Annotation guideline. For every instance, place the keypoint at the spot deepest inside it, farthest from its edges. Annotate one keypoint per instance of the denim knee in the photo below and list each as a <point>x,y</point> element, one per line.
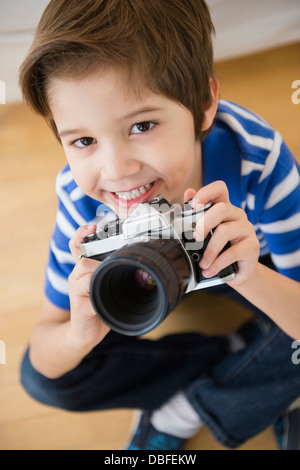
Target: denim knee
<point>50,392</point>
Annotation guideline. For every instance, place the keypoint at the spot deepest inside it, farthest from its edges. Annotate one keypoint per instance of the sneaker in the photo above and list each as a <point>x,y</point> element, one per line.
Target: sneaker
<point>287,428</point>
<point>146,437</point>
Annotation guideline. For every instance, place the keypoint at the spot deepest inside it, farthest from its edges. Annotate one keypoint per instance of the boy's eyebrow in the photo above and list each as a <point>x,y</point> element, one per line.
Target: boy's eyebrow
<point>66,132</point>
<point>148,109</point>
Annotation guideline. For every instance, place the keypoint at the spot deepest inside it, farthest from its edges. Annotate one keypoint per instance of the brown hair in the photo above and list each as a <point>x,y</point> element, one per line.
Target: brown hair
<point>165,44</point>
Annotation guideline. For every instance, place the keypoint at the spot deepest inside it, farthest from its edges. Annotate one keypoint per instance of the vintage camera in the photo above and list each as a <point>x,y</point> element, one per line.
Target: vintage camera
<point>149,262</point>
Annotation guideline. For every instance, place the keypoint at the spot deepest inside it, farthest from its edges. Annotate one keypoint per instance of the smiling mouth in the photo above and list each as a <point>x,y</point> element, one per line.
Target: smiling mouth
<point>134,193</point>
<point>130,199</point>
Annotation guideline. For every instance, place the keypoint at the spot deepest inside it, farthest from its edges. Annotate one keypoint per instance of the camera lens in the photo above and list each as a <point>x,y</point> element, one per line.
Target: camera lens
<point>144,279</point>
<point>137,286</point>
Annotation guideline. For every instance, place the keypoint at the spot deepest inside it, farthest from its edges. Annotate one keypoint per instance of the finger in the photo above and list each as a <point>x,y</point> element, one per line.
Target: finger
<point>240,253</point>
<point>85,266</point>
<point>82,286</point>
<point>224,260</point>
<point>216,215</point>
<point>78,238</point>
<point>80,281</point>
<point>223,234</point>
<point>215,192</point>
<point>189,194</point>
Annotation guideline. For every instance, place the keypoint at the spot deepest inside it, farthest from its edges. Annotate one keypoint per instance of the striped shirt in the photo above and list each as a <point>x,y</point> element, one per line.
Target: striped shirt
<point>243,150</point>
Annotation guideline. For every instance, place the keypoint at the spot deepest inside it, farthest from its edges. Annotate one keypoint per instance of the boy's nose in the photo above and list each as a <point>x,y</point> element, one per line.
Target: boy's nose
<point>118,169</point>
<point>119,164</point>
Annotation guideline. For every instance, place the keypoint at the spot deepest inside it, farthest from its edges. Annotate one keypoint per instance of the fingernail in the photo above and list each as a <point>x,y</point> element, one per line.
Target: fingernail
<point>204,264</point>
<point>197,237</point>
<point>206,273</point>
<point>194,202</point>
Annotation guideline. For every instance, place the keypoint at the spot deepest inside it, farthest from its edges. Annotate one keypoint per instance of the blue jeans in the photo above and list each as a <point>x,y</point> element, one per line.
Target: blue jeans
<point>236,394</point>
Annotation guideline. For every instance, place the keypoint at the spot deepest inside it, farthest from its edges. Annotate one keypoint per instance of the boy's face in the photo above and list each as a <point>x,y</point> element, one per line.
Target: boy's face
<point>122,148</point>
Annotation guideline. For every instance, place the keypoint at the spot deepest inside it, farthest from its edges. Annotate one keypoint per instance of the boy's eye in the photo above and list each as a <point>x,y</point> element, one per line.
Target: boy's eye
<point>140,127</point>
<point>84,142</point>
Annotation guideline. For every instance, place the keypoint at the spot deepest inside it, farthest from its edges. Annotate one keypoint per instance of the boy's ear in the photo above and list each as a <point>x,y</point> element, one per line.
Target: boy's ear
<point>210,112</point>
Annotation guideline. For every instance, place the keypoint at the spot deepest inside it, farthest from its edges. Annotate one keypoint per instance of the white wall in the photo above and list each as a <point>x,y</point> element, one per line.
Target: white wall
<point>242,27</point>
<point>248,26</point>
<point>18,19</point>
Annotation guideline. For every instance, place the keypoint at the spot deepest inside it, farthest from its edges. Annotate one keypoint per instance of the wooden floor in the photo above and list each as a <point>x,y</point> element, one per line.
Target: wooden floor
<point>30,158</point>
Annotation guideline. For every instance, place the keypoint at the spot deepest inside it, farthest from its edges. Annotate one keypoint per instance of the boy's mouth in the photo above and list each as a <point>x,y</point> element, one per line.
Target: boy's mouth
<point>134,193</point>
<point>137,195</point>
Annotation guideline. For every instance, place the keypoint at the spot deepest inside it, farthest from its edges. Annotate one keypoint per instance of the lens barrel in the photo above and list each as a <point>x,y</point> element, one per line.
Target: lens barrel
<point>119,299</point>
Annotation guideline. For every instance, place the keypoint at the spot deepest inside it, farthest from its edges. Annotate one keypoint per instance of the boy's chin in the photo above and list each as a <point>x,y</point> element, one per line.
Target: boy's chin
<point>122,212</point>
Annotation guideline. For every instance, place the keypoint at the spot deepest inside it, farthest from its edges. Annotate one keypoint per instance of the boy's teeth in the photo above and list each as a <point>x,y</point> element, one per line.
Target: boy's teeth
<point>135,193</point>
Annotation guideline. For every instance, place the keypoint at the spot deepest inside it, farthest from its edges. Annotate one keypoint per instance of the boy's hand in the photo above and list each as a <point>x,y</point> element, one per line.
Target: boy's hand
<point>231,224</point>
<point>85,323</point>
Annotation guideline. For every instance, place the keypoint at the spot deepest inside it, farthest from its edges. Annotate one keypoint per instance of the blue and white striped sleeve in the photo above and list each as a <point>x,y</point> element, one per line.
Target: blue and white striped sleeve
<point>60,261</point>
<point>263,178</point>
<point>277,206</point>
<point>74,209</point>
<point>60,266</point>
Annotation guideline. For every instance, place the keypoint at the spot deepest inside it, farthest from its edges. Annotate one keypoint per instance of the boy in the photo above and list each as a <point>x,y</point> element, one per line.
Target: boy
<point>129,89</point>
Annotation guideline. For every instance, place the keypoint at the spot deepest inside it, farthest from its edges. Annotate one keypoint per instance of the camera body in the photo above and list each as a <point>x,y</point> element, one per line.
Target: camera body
<point>149,261</point>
